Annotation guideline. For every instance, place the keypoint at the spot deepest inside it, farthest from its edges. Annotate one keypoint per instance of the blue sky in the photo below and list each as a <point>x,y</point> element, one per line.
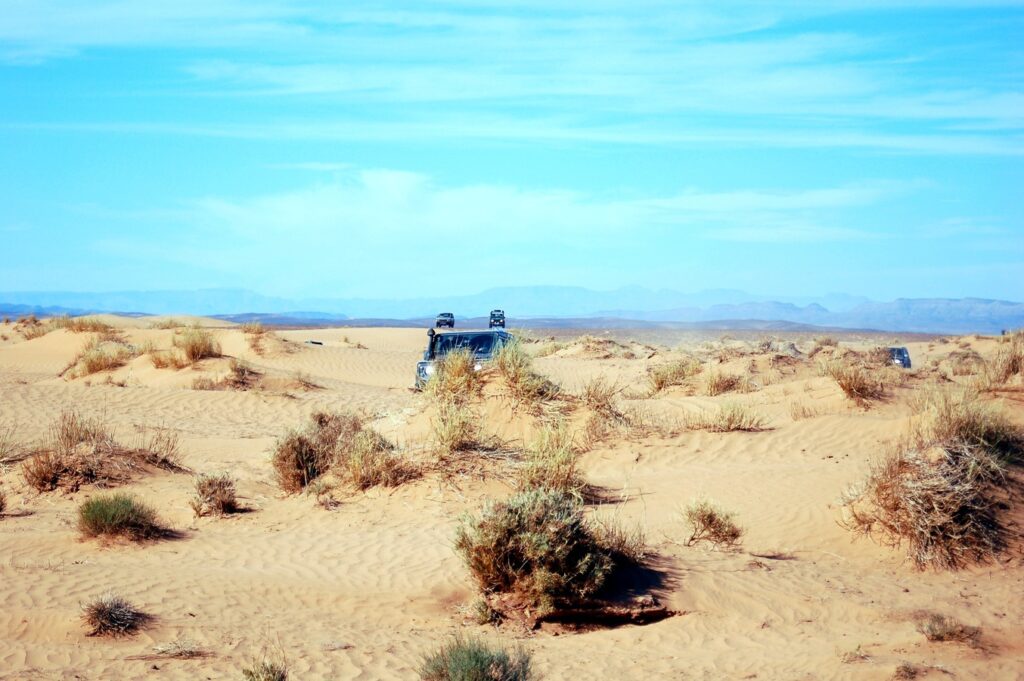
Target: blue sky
<point>398,149</point>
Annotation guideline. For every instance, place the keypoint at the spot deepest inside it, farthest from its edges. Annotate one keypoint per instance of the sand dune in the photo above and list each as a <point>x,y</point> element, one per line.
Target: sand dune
<point>365,590</point>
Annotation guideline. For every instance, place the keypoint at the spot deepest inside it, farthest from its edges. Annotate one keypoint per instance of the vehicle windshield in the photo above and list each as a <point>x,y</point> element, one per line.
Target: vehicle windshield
<point>480,344</point>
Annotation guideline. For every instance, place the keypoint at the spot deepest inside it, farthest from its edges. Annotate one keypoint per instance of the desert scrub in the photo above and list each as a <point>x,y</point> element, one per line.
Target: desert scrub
<point>552,462</point>
<point>712,524</point>
<point>469,659</point>
<point>673,373</point>
<point>959,416</point>
<point>538,546</point>
<point>717,382</point>
<point>944,629</point>
<point>81,450</point>
<point>112,615</point>
<point>196,344</point>
<point>728,418</point>
<point>456,428</point>
<point>1008,361</point>
<point>99,355</point>
<point>524,384</point>
<point>297,461</point>
<point>215,494</point>
<point>118,515</point>
<point>858,382</point>
<point>80,324</point>
<point>455,378</point>
<point>373,461</point>
<point>265,670</point>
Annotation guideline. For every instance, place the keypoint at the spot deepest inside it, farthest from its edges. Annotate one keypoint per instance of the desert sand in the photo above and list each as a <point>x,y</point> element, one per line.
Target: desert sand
<point>364,590</point>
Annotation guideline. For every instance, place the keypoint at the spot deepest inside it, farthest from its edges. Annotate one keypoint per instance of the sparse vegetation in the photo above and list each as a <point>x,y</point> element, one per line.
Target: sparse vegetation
<point>538,546</point>
<point>728,418</point>
<point>168,358</point>
<point>524,384</point>
<point>99,355</point>
<point>551,462</point>
<point>372,460</point>
<point>717,382</point>
<point>81,450</point>
<point>197,344</point>
<point>799,411</point>
<point>118,515</point>
<point>944,629</point>
<point>81,324</point>
<point>857,382</point>
<point>711,524</point>
<point>265,670</point>
<point>297,461</point>
<point>1008,361</point>
<point>179,649</point>
<point>673,373</point>
<point>455,378</point>
<point>215,494</point>
<point>463,659</point>
<point>112,615</point>
<point>456,427</point>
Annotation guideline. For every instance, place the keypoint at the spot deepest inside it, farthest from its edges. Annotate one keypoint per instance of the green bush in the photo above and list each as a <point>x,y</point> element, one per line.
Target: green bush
<point>118,515</point>
<point>473,660</point>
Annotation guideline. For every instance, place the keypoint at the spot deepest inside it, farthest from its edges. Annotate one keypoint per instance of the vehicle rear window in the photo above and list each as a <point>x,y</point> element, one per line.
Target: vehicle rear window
<point>479,344</point>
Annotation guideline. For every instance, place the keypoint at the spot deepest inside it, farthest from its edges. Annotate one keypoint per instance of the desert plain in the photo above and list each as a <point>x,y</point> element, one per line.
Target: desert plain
<point>340,582</point>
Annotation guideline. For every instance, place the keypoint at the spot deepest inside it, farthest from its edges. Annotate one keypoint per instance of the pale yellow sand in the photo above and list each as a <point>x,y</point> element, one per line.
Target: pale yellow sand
<point>365,590</point>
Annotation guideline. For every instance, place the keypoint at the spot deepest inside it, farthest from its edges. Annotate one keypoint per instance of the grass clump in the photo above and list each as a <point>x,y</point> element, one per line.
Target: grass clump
<point>711,524</point>
<point>673,373</point>
<point>729,417</point>
<point>81,450</point>
<point>112,615</point>
<point>215,494</point>
<point>858,382</point>
<point>99,355</point>
<point>463,659</point>
<point>372,460</point>
<point>298,461</point>
<point>456,428</point>
<point>81,324</point>
<point>525,385</point>
<point>537,546</point>
<point>944,629</point>
<point>1008,361</point>
<point>717,382</point>
<point>960,417</point>
<point>455,378</point>
<point>118,515</point>
<point>265,670</point>
<point>552,462</point>
<point>197,344</point>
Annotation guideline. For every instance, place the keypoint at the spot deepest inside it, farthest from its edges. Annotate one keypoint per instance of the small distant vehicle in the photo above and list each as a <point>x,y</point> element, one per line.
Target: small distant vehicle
<point>497,319</point>
<point>482,344</point>
<point>900,357</point>
<point>445,319</point>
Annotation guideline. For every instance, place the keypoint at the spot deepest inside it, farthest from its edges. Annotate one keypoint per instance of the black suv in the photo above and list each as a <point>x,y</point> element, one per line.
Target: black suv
<point>900,357</point>
<point>445,319</point>
<point>497,319</point>
<point>483,345</point>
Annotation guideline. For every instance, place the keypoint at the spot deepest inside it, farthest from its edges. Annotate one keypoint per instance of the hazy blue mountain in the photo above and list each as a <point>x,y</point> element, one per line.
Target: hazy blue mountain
<point>552,302</point>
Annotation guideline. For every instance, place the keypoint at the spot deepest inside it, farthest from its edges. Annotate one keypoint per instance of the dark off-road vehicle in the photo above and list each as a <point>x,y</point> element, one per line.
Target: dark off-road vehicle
<point>445,319</point>
<point>900,357</point>
<point>497,319</point>
<point>482,344</point>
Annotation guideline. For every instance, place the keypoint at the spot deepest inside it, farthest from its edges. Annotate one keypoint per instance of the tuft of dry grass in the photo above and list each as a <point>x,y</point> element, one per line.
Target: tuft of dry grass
<point>80,450</point>
<point>959,417</point>
<point>673,373</point>
<point>112,615</point>
<point>118,515</point>
<point>265,670</point>
<point>99,355</point>
<point>717,383</point>
<point>215,494</point>
<point>944,629</point>
<point>455,378</point>
<point>711,524</point>
<point>524,384</point>
<point>242,376</point>
<point>799,411</point>
<point>163,359</point>
<point>297,461</point>
<point>1008,361</point>
<point>857,382</point>
<point>169,323</point>
<point>730,417</point>
<point>372,460</point>
<point>179,649</point>
<point>11,450</point>
<point>197,344</point>
<point>455,427</point>
<point>81,324</point>
<point>3,502</point>
<point>552,462</point>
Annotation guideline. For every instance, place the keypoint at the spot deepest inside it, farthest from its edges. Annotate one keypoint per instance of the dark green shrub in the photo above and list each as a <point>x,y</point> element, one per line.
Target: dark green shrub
<point>118,515</point>
<point>473,660</point>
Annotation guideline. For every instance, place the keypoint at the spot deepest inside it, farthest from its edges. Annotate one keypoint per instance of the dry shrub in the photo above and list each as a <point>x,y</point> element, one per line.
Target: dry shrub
<point>965,363</point>
<point>857,382</point>
<point>179,649</point>
<point>10,449</point>
<point>242,376</point>
<point>169,323</point>
<point>456,427</point>
<point>552,462</point>
<point>455,378</point>
<point>338,440</point>
<point>943,629</point>
<point>535,545</point>
<point>729,417</point>
<point>673,373</point>
<point>959,417</point>
<point>799,411</point>
<point>550,349</point>
<point>81,324</point>
<point>205,383</point>
<point>717,382</point>
<point>470,659</point>
<point>610,532</point>
<point>118,515</point>
<point>826,342</point>
<point>711,524</point>
<point>599,395</point>
<point>112,615</point>
<point>942,502</point>
<point>3,502</point>
<point>82,450</point>
<point>254,328</point>
<point>373,461</point>
<point>197,344</point>
<point>215,494</point>
<point>906,671</point>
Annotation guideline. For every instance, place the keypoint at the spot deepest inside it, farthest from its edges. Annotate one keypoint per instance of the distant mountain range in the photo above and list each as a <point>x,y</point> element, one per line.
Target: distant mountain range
<point>650,307</point>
